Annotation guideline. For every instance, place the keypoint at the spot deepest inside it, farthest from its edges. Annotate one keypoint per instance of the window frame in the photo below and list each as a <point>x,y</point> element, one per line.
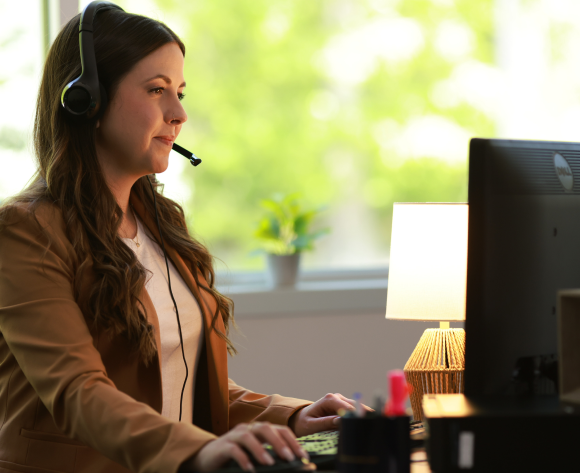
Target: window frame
<point>331,291</point>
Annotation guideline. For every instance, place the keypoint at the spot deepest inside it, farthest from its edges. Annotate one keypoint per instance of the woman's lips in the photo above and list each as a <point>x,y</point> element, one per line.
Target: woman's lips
<point>166,140</point>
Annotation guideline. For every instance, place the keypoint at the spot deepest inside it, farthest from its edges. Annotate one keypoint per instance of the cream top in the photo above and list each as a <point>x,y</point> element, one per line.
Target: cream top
<point>151,257</point>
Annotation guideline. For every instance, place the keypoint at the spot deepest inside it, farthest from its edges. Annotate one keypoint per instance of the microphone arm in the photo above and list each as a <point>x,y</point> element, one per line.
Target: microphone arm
<point>193,159</point>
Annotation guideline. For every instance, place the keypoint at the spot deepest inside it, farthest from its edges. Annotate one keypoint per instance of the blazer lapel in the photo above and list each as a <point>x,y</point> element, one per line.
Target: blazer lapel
<point>216,349</point>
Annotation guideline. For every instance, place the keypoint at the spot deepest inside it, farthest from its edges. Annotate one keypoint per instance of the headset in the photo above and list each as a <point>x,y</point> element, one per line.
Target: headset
<point>85,98</point>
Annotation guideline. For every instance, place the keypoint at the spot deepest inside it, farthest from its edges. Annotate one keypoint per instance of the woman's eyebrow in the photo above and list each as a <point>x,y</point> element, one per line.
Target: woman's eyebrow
<point>165,78</point>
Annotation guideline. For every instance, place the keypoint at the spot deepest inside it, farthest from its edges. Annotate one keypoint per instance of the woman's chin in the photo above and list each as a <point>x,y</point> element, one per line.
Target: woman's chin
<point>160,166</point>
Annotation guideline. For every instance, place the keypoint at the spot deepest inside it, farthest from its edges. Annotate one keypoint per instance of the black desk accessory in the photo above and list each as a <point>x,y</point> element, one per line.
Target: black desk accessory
<point>501,434</point>
<point>374,444</point>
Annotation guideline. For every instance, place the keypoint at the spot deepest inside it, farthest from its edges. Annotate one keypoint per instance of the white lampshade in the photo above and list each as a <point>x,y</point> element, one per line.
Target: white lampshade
<point>428,264</point>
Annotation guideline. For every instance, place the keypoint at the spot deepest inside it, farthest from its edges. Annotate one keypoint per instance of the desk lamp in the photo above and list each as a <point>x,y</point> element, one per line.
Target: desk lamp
<point>427,281</point>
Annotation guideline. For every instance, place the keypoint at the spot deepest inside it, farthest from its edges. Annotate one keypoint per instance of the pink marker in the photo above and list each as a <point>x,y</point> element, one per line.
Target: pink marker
<point>399,390</point>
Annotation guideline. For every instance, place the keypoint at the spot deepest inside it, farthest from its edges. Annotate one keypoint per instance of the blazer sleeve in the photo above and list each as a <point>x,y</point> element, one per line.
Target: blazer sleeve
<point>46,332</point>
<point>248,406</point>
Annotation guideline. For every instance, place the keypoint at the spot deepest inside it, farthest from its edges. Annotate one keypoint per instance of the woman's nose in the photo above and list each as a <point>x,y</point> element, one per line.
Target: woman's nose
<point>178,115</point>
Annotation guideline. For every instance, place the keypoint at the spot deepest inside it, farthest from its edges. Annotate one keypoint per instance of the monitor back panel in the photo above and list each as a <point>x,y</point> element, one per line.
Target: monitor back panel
<point>524,245</point>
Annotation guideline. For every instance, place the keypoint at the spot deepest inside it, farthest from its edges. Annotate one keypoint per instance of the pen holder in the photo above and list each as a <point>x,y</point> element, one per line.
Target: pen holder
<point>374,444</point>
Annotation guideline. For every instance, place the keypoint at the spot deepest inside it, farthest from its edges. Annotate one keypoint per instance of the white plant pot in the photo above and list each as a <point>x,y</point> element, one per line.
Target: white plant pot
<point>283,269</point>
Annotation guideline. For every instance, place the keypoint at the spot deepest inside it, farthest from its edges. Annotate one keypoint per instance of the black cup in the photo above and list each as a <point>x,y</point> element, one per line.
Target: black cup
<point>374,444</point>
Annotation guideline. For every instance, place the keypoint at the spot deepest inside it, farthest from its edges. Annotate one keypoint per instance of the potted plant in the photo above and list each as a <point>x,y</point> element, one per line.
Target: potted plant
<point>285,233</point>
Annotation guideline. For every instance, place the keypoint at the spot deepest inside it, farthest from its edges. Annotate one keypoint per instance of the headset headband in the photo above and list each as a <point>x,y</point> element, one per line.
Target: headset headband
<point>85,96</point>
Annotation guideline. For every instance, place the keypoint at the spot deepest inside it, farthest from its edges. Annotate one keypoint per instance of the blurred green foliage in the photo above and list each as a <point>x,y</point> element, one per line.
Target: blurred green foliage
<point>285,229</point>
<point>266,116</point>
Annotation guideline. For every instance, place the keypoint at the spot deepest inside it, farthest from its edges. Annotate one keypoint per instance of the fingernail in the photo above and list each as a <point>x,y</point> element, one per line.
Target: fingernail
<point>336,421</point>
<point>250,467</point>
<point>304,454</point>
<point>288,454</point>
<point>267,459</point>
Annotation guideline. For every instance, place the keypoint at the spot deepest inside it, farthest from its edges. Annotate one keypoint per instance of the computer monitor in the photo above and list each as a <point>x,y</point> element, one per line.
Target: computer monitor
<point>523,246</point>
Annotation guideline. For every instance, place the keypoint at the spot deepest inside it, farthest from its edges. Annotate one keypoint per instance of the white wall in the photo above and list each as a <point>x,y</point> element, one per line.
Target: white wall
<point>308,356</point>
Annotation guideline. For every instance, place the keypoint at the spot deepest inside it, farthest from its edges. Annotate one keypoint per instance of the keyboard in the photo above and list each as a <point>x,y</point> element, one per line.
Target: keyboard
<point>321,443</point>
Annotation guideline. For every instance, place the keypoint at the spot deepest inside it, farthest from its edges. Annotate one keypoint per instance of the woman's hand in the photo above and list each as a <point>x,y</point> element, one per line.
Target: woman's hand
<point>249,436</point>
<point>322,415</point>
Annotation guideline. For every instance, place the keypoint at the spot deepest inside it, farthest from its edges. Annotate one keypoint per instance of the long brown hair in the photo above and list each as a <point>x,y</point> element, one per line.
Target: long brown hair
<point>69,176</point>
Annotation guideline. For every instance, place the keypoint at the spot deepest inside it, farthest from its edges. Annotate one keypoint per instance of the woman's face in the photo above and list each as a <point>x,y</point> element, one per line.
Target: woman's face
<point>143,118</point>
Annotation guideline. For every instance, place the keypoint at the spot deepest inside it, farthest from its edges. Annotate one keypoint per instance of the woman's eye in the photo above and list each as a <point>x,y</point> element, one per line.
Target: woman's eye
<point>159,91</point>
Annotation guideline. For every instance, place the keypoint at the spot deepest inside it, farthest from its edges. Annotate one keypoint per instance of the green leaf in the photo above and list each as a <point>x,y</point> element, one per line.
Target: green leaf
<point>284,230</point>
<point>268,228</point>
<point>302,222</point>
<point>303,243</point>
<point>275,208</point>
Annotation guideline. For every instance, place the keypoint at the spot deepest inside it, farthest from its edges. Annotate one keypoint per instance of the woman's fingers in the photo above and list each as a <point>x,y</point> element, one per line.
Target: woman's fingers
<point>238,454</point>
<point>244,442</point>
<point>352,403</point>
<point>286,435</point>
<point>217,452</point>
<point>320,424</point>
<point>331,403</point>
<point>246,436</point>
<point>290,438</point>
<point>268,434</point>
<point>281,438</point>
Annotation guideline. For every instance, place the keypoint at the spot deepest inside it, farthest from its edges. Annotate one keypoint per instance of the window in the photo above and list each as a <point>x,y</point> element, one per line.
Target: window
<point>354,103</point>
<point>343,101</point>
<point>21,56</point>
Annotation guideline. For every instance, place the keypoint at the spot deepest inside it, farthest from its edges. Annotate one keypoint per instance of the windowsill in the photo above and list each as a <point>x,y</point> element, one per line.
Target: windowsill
<point>321,292</point>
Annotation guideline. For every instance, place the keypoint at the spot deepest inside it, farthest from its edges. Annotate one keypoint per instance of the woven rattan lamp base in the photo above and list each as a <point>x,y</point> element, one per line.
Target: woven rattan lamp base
<point>436,365</point>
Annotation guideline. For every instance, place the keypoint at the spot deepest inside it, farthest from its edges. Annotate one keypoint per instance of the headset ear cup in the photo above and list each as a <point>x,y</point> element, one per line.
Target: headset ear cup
<point>76,99</point>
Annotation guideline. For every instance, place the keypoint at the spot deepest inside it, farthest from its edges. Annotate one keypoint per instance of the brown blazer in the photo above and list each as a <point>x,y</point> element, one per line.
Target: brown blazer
<point>73,399</point>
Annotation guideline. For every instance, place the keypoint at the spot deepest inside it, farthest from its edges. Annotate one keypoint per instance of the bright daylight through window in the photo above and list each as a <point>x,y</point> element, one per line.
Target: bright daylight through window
<point>354,104</point>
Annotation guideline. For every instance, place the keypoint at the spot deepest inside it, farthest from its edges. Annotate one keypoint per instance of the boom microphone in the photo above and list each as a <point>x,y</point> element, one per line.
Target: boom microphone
<point>193,159</point>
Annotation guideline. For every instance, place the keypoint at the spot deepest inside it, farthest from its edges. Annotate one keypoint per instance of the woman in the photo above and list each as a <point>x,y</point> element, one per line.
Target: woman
<point>89,380</point>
